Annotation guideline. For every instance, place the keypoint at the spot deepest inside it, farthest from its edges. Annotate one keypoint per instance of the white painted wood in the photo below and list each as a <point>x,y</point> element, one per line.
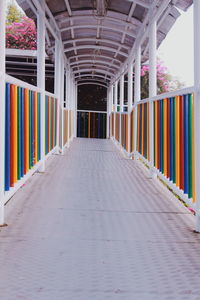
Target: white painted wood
<point>41,80</point>
<point>152,83</point>
<point>137,91</point>
<point>196,12</point>
<point>2,107</point>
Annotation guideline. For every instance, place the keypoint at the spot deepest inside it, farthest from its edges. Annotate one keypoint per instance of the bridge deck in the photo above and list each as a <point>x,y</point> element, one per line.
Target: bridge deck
<point>96,227</point>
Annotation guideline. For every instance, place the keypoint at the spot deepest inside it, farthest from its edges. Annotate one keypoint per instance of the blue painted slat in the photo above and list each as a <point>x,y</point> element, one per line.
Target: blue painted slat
<point>7,138</point>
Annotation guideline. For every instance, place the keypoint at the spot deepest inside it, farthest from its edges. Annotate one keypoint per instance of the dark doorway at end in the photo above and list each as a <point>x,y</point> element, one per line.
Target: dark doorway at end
<point>92,97</point>
<point>91,114</point>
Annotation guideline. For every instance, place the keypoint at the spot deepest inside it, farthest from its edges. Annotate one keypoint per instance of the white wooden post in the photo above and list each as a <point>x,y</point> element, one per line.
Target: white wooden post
<point>75,111</point>
<point>41,79</point>
<point>137,92</point>
<point>121,106</point>
<point>130,101</point>
<point>196,14</point>
<point>57,89</point>
<point>62,103</point>
<point>108,112</point>
<point>67,104</point>
<point>152,83</point>
<point>115,106</point>
<point>111,106</point>
<point>2,108</point>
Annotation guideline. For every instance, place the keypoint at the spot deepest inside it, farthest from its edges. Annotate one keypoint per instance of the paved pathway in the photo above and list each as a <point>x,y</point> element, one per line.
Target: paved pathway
<point>96,227</point>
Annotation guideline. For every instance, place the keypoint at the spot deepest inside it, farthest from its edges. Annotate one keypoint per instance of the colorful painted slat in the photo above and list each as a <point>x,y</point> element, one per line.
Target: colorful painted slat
<point>50,123</point>
<point>22,125</point>
<point>143,130</point>
<point>91,124</point>
<point>173,143</point>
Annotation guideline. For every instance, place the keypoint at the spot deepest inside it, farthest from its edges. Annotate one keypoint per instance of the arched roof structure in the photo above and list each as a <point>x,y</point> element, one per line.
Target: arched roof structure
<point>104,32</point>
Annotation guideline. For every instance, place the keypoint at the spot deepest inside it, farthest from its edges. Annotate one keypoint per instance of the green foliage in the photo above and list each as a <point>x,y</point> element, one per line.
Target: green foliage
<point>13,14</point>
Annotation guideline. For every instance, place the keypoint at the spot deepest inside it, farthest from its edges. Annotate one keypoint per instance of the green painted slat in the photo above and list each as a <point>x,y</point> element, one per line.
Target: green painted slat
<point>174,140</point>
<point>190,146</point>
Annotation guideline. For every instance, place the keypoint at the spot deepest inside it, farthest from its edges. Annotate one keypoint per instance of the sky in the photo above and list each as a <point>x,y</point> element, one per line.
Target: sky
<point>176,51</point>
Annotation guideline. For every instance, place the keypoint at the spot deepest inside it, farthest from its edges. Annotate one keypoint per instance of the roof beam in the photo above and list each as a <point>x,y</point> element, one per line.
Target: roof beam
<point>119,21</point>
<point>92,80</point>
<point>90,75</point>
<point>96,40</point>
<point>92,65</point>
<point>128,19</point>
<point>75,64</point>
<point>139,2</point>
<point>96,47</point>
<point>98,70</point>
<point>92,83</point>
<point>94,56</point>
<point>119,18</point>
<point>113,28</point>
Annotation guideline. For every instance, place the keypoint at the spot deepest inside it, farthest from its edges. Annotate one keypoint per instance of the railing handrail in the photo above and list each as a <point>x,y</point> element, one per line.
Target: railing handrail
<point>51,94</point>
<point>180,92</point>
<point>94,111</point>
<point>21,83</point>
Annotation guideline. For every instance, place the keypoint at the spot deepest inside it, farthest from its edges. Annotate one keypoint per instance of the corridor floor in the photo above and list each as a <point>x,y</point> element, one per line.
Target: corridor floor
<point>95,226</point>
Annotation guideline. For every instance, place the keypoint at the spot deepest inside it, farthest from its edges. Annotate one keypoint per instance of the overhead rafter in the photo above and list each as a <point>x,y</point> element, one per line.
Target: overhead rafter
<point>118,16</point>
<point>97,40</point>
<point>92,80</point>
<point>92,83</point>
<point>71,23</point>
<point>96,70</point>
<point>81,62</point>
<point>112,28</point>
<point>91,65</point>
<point>95,47</point>
<point>94,56</point>
<point>90,75</point>
<point>120,22</point>
<point>124,34</point>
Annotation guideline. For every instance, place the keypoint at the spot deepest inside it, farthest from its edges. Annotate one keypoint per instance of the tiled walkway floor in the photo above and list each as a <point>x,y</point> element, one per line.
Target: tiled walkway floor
<point>96,227</point>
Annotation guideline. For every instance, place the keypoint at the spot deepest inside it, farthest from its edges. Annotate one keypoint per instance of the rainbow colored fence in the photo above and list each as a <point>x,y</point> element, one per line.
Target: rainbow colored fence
<point>50,123</point>
<point>132,120</point>
<point>174,141</point>
<point>91,124</point>
<point>143,129</point>
<point>173,136</point>
<point>117,126</point>
<point>124,131</point>
<point>22,126</point>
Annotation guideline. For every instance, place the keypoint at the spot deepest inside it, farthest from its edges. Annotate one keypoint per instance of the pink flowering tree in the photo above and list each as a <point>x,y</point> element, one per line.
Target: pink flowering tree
<point>22,35</point>
<point>165,82</point>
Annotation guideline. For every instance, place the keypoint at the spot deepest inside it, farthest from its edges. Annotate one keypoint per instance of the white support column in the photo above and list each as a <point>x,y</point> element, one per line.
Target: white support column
<point>67,104</point>
<point>115,106</point>
<point>2,108</point>
<point>57,89</point>
<point>62,103</point>
<point>137,91</point>
<point>41,79</point>
<point>121,106</point>
<point>196,14</point>
<point>122,93</point>
<point>108,112</point>
<point>75,112</point>
<point>111,109</point>
<point>130,102</point>
<point>152,82</point>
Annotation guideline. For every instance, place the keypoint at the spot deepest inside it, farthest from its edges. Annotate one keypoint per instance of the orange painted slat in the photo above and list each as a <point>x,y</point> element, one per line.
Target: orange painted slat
<point>178,141</point>
<point>15,144</point>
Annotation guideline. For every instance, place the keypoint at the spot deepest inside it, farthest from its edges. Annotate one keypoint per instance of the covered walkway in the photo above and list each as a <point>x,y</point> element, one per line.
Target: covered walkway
<point>94,226</point>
